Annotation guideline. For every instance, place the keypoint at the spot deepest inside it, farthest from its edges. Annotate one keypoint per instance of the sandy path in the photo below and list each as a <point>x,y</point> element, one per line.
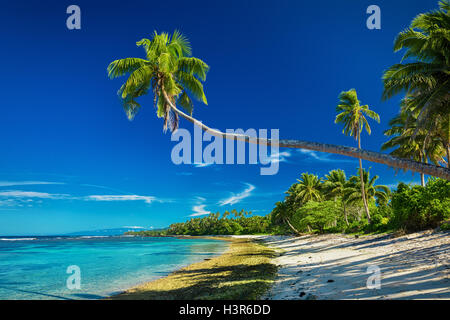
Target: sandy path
<point>415,266</point>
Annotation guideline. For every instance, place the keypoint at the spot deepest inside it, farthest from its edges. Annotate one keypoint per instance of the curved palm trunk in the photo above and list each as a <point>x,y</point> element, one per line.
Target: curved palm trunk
<point>372,156</point>
<point>363,191</point>
<point>291,226</point>
<point>345,215</point>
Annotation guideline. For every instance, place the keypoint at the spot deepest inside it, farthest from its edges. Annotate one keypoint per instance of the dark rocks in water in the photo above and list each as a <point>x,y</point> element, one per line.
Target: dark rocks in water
<point>302,293</point>
<point>356,236</point>
<point>331,280</point>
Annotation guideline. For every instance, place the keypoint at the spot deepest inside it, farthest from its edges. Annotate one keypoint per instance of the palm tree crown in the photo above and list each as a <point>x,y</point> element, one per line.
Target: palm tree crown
<point>424,72</point>
<point>170,72</point>
<point>308,188</point>
<point>371,191</point>
<point>352,114</point>
<point>334,184</point>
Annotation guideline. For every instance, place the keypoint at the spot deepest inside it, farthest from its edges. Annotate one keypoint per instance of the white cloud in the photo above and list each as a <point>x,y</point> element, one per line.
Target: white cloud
<point>26,183</point>
<point>29,194</point>
<point>202,164</point>
<point>133,197</point>
<point>239,196</point>
<point>279,157</point>
<point>323,157</point>
<point>199,210</point>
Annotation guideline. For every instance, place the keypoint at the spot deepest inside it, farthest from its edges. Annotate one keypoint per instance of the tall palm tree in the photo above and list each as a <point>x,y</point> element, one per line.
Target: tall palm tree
<point>353,116</point>
<point>371,191</point>
<point>309,187</point>
<point>168,71</point>
<point>334,187</point>
<point>172,75</point>
<point>424,72</point>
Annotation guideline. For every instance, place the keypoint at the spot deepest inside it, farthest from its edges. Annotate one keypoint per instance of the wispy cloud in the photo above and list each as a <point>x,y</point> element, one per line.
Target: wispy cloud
<point>279,157</point>
<point>202,164</point>
<point>199,210</point>
<point>133,197</point>
<point>17,197</point>
<point>235,198</point>
<point>321,156</point>
<point>184,173</point>
<point>30,194</point>
<point>26,183</point>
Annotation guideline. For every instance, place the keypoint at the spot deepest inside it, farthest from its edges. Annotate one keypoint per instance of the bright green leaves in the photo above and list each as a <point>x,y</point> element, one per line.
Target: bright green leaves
<point>186,103</point>
<point>193,66</point>
<point>352,114</point>
<point>169,70</point>
<point>121,67</point>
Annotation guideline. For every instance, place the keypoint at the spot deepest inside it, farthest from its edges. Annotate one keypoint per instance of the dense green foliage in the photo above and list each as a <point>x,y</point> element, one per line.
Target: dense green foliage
<point>335,207</point>
<point>417,207</point>
<point>234,222</point>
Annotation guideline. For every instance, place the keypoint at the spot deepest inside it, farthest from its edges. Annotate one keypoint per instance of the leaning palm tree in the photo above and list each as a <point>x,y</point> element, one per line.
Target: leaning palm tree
<point>172,75</point>
<point>168,71</point>
<point>372,192</point>
<point>334,187</point>
<point>282,213</point>
<point>353,116</point>
<point>424,72</point>
<point>309,187</point>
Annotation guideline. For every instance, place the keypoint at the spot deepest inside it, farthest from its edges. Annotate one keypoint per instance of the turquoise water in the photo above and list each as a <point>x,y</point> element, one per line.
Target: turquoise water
<point>35,268</point>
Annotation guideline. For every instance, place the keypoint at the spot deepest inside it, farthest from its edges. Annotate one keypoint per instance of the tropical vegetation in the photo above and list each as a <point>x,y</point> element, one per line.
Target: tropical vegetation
<point>418,139</point>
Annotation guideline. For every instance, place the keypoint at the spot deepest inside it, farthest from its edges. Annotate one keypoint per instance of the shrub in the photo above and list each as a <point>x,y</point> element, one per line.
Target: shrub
<point>416,208</point>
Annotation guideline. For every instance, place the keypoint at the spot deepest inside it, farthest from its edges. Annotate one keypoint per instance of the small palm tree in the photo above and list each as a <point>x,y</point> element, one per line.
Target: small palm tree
<point>168,71</point>
<point>352,116</point>
<point>334,187</point>
<point>309,187</point>
<point>372,192</point>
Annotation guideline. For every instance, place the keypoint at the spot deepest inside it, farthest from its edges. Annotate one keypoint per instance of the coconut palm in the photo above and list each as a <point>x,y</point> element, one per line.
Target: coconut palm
<point>309,187</point>
<point>334,186</point>
<point>168,71</point>
<point>424,72</point>
<point>173,76</point>
<point>410,142</point>
<point>353,116</point>
<point>372,192</point>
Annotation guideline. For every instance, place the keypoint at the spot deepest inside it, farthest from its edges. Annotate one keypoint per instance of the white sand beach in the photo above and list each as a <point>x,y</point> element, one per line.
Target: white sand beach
<point>413,266</point>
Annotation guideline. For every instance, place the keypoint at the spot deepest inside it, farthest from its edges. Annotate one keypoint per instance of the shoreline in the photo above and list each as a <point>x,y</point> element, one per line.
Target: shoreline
<point>243,271</point>
<point>329,266</point>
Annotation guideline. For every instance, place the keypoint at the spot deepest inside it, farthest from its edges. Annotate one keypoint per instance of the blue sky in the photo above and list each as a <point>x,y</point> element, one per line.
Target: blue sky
<point>70,160</point>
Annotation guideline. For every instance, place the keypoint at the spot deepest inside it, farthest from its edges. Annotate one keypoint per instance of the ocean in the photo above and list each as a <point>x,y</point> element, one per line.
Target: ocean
<point>51,267</point>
